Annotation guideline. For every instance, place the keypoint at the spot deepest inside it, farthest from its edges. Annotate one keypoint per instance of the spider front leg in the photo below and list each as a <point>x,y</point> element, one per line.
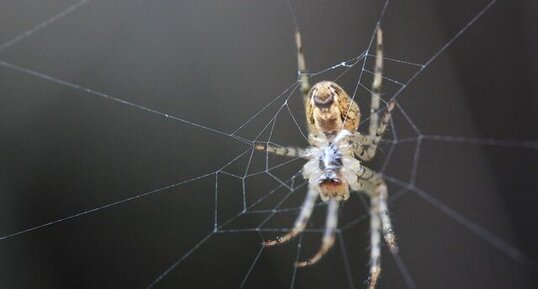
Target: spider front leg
<point>375,247</point>
<point>375,187</point>
<point>379,221</point>
<point>328,236</point>
<point>379,199</point>
<point>302,220</point>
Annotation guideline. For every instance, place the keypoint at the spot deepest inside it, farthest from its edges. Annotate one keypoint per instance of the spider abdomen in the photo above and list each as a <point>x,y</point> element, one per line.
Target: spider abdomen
<point>329,109</point>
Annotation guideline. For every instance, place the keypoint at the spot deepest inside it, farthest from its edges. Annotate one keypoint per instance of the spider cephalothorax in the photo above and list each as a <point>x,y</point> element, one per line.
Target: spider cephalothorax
<point>329,109</point>
<point>330,165</point>
<point>333,169</point>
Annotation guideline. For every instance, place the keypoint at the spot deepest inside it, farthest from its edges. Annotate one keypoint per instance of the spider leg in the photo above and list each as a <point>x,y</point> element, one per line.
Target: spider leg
<point>375,249</point>
<point>293,152</point>
<point>384,122</point>
<point>374,185</point>
<point>328,236</point>
<point>302,220</point>
<point>376,85</point>
<point>380,196</point>
<point>301,64</point>
<point>365,147</point>
<point>376,188</point>
<point>304,82</point>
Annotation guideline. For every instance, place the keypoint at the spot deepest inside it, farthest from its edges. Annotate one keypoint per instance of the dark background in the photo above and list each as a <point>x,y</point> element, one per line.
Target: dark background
<point>66,150</point>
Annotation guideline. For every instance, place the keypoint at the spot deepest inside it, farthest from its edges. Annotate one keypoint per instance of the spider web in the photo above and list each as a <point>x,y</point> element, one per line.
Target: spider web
<point>194,215</point>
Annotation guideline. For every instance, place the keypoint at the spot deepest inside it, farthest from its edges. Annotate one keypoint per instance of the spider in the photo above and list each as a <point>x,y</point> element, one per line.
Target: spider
<point>334,159</point>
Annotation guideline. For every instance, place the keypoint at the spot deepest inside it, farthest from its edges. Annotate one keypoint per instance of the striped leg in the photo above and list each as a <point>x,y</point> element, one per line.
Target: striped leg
<point>365,147</point>
<point>373,184</point>
<point>375,240</point>
<point>380,193</point>
<point>360,144</point>
<point>301,64</point>
<point>366,150</point>
<point>328,236</point>
<point>302,220</point>
<point>376,85</point>
<point>293,152</point>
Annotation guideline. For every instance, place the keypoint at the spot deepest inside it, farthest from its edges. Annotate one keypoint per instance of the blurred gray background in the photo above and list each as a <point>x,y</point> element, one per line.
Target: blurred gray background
<point>66,150</point>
